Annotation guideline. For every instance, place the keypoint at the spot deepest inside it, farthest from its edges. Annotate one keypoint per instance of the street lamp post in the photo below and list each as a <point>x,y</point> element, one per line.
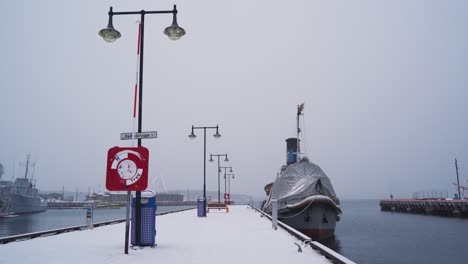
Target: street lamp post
<point>110,34</point>
<point>193,136</point>
<point>229,184</point>
<point>230,170</point>
<point>211,160</point>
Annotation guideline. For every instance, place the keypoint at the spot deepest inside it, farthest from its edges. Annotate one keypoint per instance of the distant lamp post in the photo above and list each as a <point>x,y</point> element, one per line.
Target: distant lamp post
<point>229,176</point>
<point>211,160</point>
<point>230,170</point>
<point>110,34</point>
<point>193,136</point>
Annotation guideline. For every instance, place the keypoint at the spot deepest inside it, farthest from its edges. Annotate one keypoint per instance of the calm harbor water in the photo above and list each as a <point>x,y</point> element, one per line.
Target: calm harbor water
<point>59,218</point>
<point>364,234</point>
<point>367,235</point>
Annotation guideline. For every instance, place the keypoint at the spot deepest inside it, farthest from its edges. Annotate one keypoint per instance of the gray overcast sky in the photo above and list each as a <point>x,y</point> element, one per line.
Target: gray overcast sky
<point>384,82</point>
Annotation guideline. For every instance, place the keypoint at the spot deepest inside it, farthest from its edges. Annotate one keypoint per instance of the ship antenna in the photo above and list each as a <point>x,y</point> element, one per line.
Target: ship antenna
<point>300,108</point>
<point>33,165</point>
<point>13,171</point>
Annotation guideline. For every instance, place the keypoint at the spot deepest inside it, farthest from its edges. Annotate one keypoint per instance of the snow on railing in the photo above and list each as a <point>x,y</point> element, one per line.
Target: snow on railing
<point>325,251</point>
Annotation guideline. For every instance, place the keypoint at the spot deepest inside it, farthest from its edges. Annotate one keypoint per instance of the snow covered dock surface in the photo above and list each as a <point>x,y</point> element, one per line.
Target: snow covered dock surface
<point>240,236</point>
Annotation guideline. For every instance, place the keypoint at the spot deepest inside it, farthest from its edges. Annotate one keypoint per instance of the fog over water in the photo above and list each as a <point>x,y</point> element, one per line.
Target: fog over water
<point>384,85</point>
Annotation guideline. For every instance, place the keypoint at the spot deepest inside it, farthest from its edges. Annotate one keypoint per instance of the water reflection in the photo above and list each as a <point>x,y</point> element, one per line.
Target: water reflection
<point>332,243</point>
<point>14,225</point>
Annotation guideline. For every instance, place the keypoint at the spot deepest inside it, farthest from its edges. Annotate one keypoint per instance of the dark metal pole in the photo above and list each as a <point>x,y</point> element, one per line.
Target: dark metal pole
<point>219,192</point>
<point>127,224</point>
<point>229,187</point>
<point>204,168</point>
<point>225,189</point>
<point>140,124</point>
<point>458,180</point>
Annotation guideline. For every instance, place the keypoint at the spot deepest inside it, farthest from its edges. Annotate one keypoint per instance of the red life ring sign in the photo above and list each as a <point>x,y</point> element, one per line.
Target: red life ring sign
<point>127,169</point>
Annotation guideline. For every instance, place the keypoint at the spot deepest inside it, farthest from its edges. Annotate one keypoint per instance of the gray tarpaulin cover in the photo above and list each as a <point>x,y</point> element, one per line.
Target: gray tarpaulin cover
<point>299,181</point>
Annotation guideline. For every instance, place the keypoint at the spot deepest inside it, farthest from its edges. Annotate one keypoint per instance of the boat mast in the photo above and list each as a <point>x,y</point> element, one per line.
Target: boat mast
<point>300,108</point>
<point>13,171</point>
<point>458,181</point>
<point>27,166</point>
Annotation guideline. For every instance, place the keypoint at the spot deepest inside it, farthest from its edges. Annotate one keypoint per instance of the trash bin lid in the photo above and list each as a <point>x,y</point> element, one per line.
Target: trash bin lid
<point>147,194</point>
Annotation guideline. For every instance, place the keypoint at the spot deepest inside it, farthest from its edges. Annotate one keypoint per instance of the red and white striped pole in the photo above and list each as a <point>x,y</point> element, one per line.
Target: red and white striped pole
<point>136,84</point>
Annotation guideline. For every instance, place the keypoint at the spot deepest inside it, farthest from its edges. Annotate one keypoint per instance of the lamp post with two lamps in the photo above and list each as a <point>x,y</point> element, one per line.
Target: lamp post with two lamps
<point>211,160</point>
<point>193,136</point>
<point>110,34</point>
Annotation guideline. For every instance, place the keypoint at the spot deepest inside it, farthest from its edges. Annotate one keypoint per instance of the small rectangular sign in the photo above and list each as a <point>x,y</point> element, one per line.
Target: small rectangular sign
<point>142,135</point>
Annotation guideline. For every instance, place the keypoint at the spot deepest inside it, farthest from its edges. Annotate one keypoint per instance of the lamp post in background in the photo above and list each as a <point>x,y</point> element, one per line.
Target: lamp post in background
<point>225,186</point>
<point>229,176</point>
<point>211,160</point>
<point>110,34</point>
<point>193,136</point>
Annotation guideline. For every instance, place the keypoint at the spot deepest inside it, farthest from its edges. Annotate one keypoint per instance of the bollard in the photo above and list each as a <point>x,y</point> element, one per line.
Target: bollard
<point>274,213</point>
<point>89,216</point>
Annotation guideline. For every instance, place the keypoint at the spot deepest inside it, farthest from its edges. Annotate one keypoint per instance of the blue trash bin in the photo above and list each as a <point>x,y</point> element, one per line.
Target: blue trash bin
<point>201,210</point>
<point>148,219</point>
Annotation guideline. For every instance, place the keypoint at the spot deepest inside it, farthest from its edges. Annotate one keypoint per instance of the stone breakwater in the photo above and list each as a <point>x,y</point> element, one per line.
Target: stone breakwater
<point>444,207</point>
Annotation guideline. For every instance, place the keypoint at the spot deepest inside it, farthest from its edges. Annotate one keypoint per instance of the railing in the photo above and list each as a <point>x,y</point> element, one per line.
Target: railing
<point>323,250</point>
<point>52,232</point>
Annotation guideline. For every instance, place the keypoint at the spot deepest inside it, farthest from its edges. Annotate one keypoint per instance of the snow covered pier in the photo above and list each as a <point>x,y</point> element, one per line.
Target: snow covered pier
<point>240,236</point>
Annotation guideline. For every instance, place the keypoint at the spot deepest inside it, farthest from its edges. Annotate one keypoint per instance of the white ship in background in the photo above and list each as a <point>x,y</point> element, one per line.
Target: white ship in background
<point>305,196</point>
<point>21,195</point>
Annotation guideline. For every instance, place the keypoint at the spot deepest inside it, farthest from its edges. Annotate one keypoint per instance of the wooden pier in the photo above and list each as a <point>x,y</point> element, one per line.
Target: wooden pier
<point>444,207</point>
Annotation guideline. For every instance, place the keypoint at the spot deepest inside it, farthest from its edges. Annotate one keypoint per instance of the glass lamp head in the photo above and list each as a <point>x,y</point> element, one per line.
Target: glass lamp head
<point>173,31</point>
<point>110,34</point>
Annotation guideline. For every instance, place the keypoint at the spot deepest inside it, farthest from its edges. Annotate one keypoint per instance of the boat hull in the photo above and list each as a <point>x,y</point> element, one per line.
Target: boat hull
<point>21,204</point>
<point>11,203</point>
<point>317,221</point>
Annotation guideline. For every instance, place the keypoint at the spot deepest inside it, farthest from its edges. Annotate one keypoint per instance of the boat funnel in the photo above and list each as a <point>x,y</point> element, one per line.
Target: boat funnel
<point>291,150</point>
